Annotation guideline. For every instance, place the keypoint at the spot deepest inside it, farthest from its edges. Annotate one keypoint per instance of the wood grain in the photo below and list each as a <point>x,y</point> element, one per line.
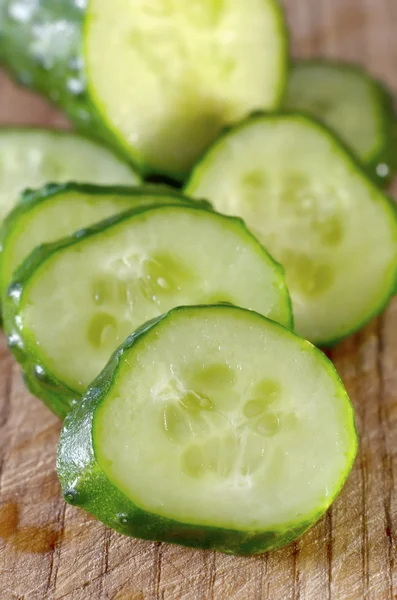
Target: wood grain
<point>50,551</point>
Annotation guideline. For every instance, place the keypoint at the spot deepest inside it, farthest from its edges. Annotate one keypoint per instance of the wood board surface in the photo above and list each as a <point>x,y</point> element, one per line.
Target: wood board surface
<point>52,551</point>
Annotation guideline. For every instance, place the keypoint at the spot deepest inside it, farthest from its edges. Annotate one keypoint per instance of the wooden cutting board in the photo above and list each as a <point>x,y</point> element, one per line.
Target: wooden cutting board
<point>52,551</point>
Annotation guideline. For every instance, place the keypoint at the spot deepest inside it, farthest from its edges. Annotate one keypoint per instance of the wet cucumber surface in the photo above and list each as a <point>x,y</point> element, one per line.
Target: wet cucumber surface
<point>310,204</point>
<point>29,158</point>
<point>229,401</point>
<point>56,211</point>
<point>356,106</point>
<point>120,274</point>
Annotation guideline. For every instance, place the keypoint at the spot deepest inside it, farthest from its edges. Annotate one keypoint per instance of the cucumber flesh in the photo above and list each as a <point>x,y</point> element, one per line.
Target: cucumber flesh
<point>181,71</point>
<point>30,158</point>
<point>57,211</point>
<point>213,427</point>
<point>72,303</point>
<point>313,208</point>
<point>350,102</point>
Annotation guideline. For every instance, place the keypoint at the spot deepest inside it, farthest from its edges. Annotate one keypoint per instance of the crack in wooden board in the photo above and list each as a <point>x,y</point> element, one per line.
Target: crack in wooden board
<point>50,551</point>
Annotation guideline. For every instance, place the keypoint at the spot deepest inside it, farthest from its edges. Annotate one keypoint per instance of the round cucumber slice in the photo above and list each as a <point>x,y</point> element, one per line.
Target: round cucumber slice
<point>72,303</point>
<point>181,71</point>
<point>57,211</point>
<point>211,427</point>
<point>30,158</point>
<point>353,104</point>
<point>310,204</point>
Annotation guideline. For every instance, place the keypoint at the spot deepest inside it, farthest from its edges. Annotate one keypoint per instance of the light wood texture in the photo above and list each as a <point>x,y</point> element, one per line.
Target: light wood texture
<point>52,551</point>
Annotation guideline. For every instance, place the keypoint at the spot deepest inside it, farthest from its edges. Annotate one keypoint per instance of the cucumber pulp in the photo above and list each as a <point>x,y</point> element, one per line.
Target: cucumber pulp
<point>210,62</point>
<point>211,427</point>
<point>308,202</point>
<point>31,157</point>
<point>57,211</point>
<point>120,274</point>
<point>353,104</point>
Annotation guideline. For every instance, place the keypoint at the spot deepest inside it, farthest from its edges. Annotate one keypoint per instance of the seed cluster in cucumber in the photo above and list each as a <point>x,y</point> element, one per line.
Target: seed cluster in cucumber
<point>169,328</point>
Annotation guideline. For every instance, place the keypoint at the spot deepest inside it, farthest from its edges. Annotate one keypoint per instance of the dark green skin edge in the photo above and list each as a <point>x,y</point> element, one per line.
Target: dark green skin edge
<point>84,483</point>
<point>386,155</point>
<point>59,73</point>
<point>59,397</point>
<point>388,202</point>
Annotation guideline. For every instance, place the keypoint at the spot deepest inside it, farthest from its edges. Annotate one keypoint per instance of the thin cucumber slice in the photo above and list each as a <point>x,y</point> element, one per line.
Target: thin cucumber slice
<point>309,203</point>
<point>353,104</point>
<point>30,158</point>
<point>211,427</point>
<point>72,303</point>
<point>181,71</point>
<point>57,211</point>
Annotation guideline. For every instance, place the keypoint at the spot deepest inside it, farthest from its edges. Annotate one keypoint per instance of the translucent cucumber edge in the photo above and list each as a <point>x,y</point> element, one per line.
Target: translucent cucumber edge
<point>84,483</point>
<point>136,157</point>
<point>59,397</point>
<point>386,154</point>
<point>387,202</point>
<point>40,379</point>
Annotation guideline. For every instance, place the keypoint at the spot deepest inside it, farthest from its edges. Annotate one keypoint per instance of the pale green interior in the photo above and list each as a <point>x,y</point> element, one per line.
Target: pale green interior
<point>30,158</point>
<point>344,99</point>
<point>332,230</point>
<point>85,300</point>
<point>218,417</point>
<point>182,70</point>
<point>60,216</point>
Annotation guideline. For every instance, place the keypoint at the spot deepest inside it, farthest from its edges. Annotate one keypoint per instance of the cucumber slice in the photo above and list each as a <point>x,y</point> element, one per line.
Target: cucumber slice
<point>32,157</point>
<point>308,202</point>
<point>211,427</point>
<point>353,104</point>
<point>57,211</point>
<point>72,303</point>
<point>181,71</point>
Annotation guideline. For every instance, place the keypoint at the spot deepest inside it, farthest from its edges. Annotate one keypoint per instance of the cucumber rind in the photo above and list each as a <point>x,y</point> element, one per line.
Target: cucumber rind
<point>126,148</point>
<point>85,484</point>
<point>385,154</point>
<point>387,201</point>
<point>40,380</point>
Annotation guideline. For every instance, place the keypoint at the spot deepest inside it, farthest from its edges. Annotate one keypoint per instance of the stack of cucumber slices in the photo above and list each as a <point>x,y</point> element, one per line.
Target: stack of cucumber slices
<point>168,325</point>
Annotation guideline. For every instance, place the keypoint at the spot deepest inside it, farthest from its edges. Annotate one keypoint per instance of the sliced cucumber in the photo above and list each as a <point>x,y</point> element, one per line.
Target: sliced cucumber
<point>180,71</point>
<point>32,157</point>
<point>211,427</point>
<point>310,204</point>
<point>353,104</point>
<point>72,303</point>
<point>57,211</point>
